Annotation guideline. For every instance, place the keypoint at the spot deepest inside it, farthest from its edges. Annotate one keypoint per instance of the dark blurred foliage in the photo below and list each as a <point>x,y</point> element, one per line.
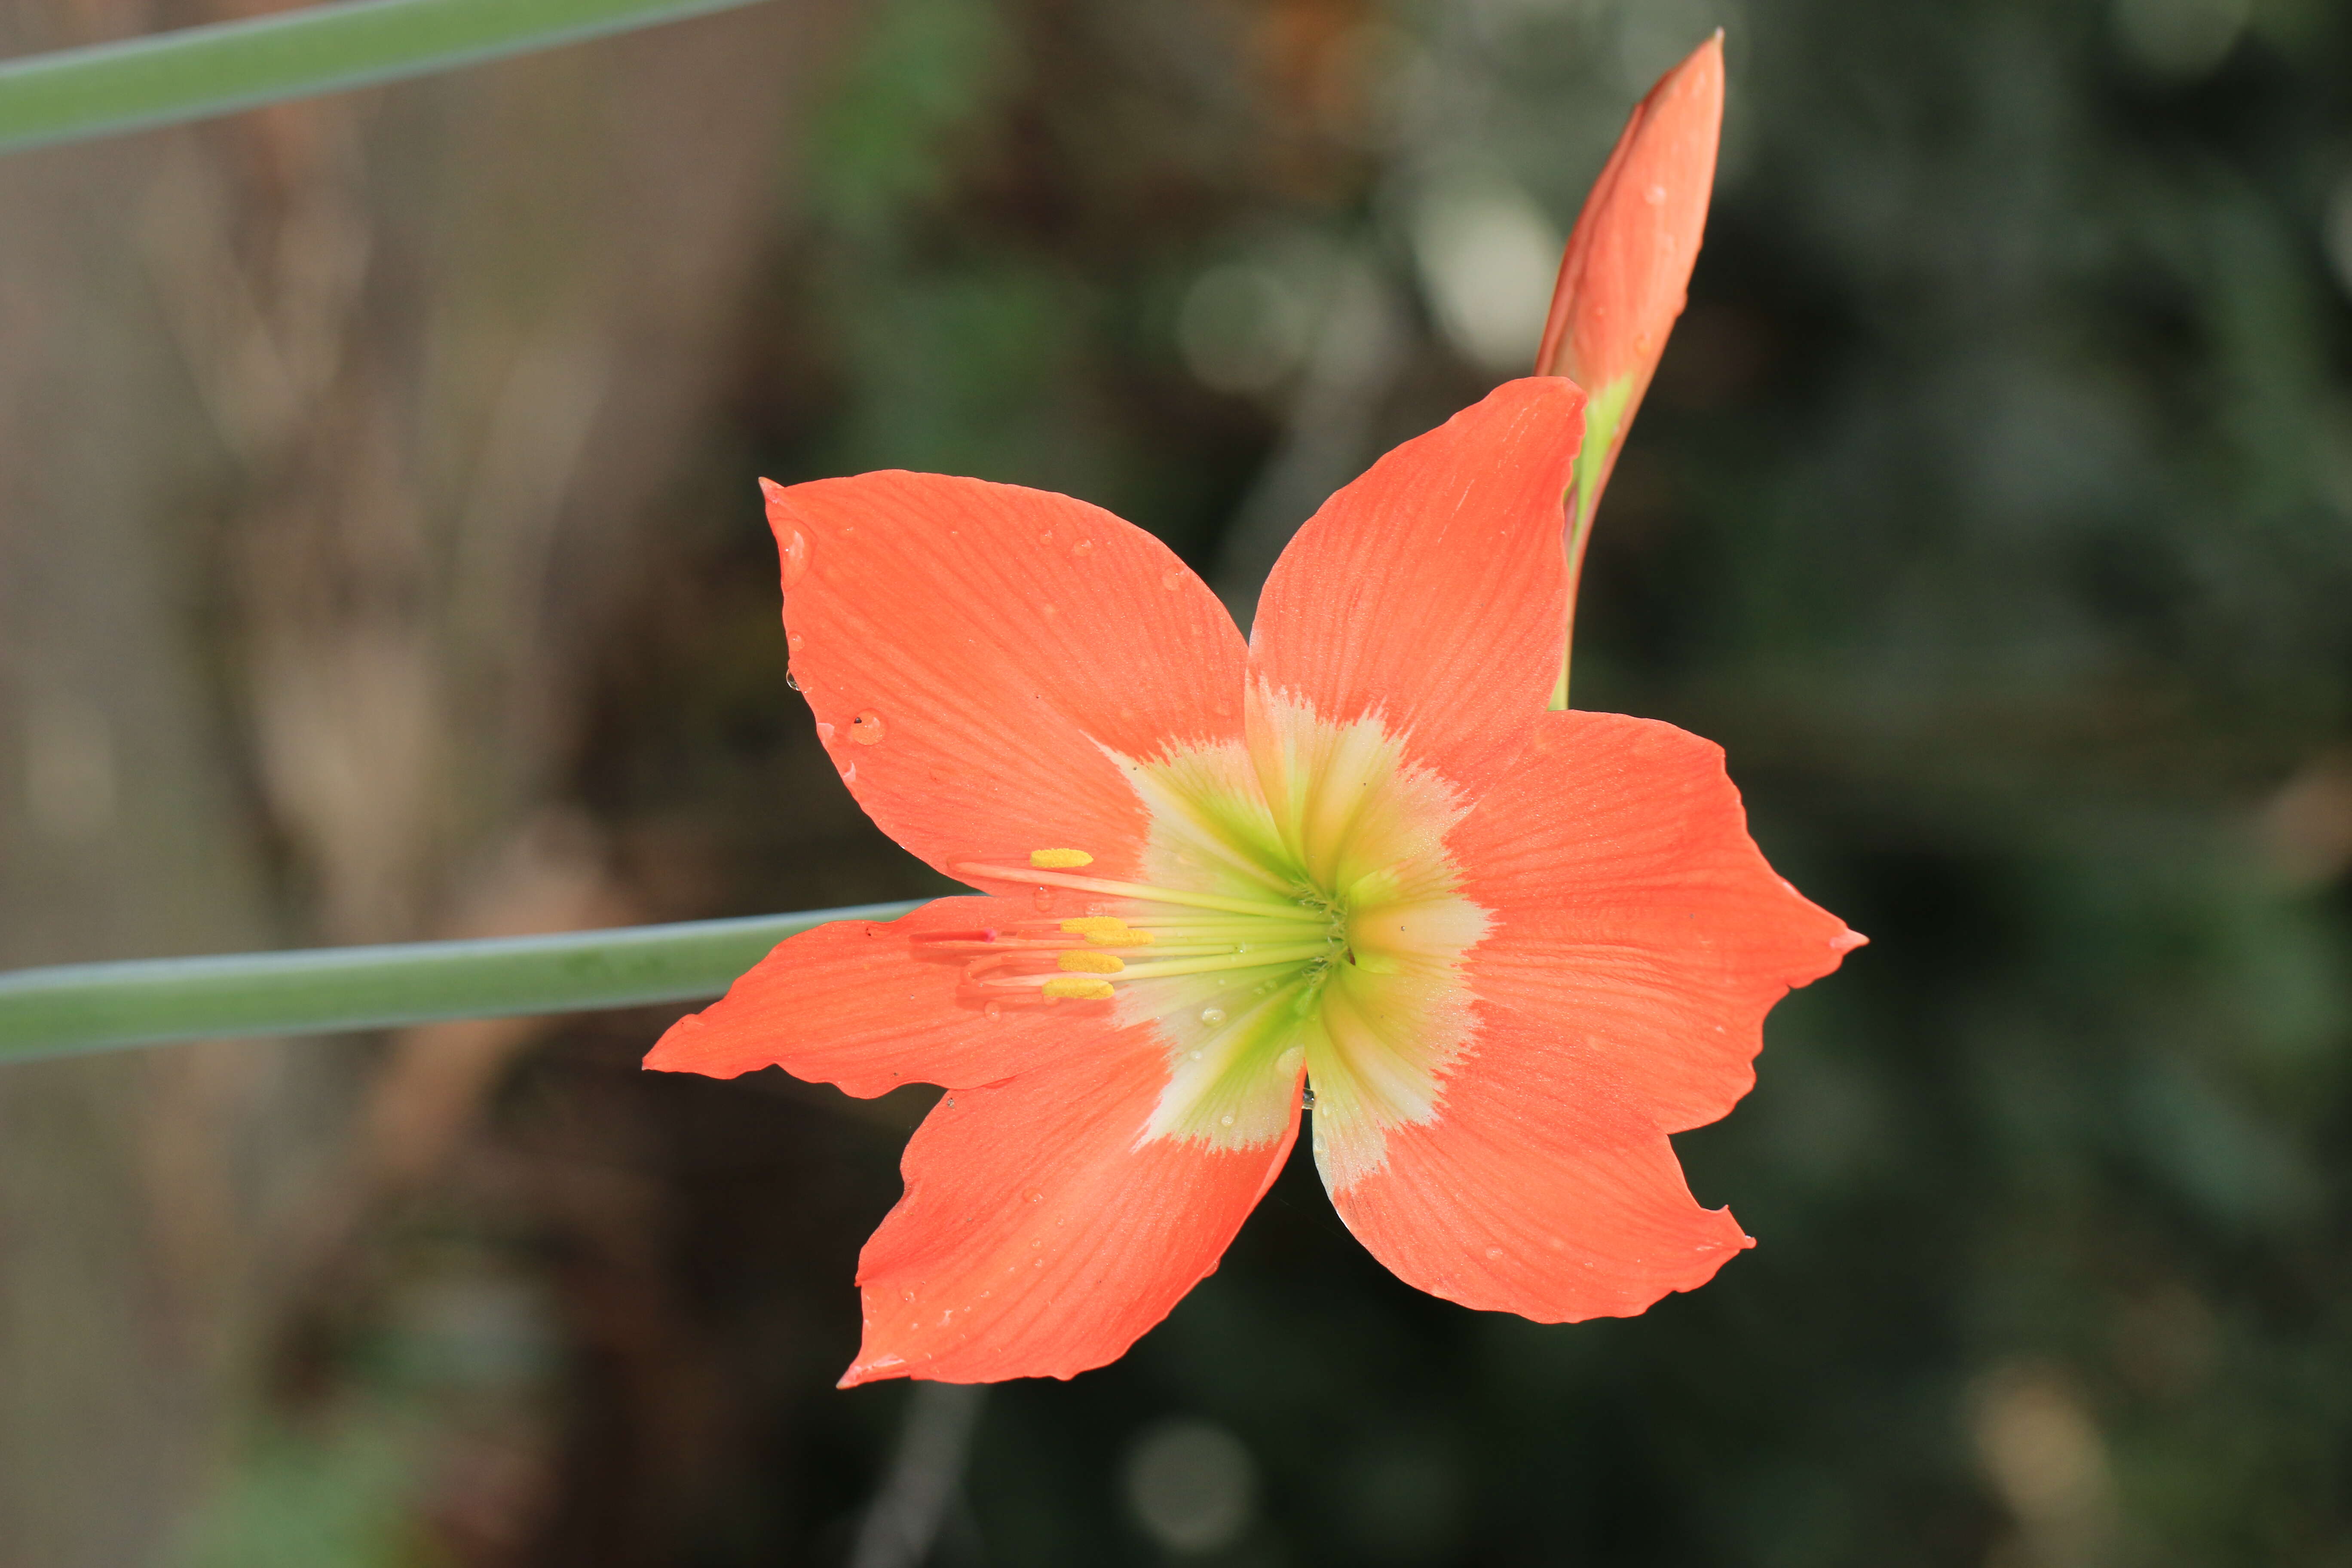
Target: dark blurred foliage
<point>1993,509</point>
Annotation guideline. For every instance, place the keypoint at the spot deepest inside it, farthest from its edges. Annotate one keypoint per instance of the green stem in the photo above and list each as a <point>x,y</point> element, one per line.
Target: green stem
<point>104,1006</point>
<point>1605,421</point>
<point>166,77</point>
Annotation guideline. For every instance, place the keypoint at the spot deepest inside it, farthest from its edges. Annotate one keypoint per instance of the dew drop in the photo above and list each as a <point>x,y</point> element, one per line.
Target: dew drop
<point>791,680</point>
<point>1036,1263</point>
<point>793,555</point>
<point>1307,1098</point>
<point>906,1295</point>
<point>1043,898</point>
<point>993,1010</point>
<point>1173,579</point>
<point>849,773</point>
<point>866,728</point>
<point>824,731</point>
<point>1655,195</point>
<point>1037,1241</point>
<point>1494,1252</point>
<point>1227,1119</point>
<point>1320,1145</point>
<point>1082,549</point>
<point>1046,536</point>
<point>1194,1056</point>
<point>794,642</point>
<point>1036,1198</point>
<point>1063,1221</point>
<point>1213,1016</point>
<point>950,1102</point>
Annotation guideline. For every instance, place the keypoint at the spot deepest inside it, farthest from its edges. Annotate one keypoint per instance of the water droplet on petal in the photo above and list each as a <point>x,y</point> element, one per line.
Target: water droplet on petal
<point>906,1295</point>
<point>1036,1263</point>
<point>993,1010</point>
<point>1494,1252</point>
<point>1227,1119</point>
<point>824,731</point>
<point>1173,579</point>
<point>866,728</point>
<point>794,642</point>
<point>794,552</point>
<point>1307,1098</point>
<point>1037,1241</point>
<point>1655,195</point>
<point>1036,1197</point>
<point>791,680</point>
<point>1213,1016</point>
<point>1082,549</point>
<point>849,773</point>
<point>1046,536</point>
<point>1043,898</point>
<point>1194,1056</point>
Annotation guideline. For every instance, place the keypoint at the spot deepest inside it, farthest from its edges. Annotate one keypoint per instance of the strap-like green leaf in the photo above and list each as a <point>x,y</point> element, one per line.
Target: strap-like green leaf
<point>166,77</point>
<point>102,1006</point>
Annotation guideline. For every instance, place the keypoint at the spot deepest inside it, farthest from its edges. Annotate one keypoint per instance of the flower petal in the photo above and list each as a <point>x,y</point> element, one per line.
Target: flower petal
<point>1630,908</point>
<point>1432,590</point>
<point>853,1003</point>
<point>972,649</point>
<point>1039,1235</point>
<point>1539,1188</point>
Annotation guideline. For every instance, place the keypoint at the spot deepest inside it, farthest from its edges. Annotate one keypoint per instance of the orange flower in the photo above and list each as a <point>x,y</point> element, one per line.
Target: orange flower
<point>1510,949</point>
<point>1623,277</point>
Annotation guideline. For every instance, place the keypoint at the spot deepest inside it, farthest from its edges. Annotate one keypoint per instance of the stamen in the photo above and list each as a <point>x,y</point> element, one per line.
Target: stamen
<point>1079,961</point>
<point>1055,859</point>
<point>1250,958</point>
<point>1139,891</point>
<point>1077,987</point>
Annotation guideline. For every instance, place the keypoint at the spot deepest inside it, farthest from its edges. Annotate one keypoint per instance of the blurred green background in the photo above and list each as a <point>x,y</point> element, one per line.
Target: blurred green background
<point>379,558</point>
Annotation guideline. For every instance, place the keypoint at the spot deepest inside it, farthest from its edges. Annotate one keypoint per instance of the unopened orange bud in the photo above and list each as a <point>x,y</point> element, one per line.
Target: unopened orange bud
<point>1626,272</point>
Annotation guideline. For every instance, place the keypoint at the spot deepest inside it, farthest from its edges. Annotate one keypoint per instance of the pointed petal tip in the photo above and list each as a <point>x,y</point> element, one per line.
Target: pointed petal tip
<point>770,491</point>
<point>1846,941</point>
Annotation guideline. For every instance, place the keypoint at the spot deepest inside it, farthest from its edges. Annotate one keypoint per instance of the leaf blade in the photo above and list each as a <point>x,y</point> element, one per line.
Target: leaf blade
<point>191,73</point>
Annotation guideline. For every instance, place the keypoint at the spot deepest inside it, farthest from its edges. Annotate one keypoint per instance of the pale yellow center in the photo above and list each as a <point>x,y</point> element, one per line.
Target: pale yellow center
<point>1295,908</point>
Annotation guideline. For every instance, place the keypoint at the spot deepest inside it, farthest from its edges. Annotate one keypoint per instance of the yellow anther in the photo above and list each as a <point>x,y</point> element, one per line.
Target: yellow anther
<point>1108,931</point>
<point>1080,961</point>
<point>1077,986</point>
<point>1059,859</point>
